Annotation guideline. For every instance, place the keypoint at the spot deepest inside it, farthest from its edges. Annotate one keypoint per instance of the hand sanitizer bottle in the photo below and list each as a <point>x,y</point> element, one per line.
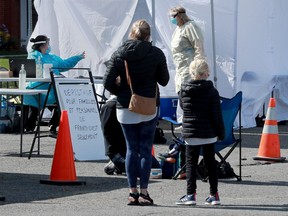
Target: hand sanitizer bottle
<point>22,77</point>
<point>39,71</point>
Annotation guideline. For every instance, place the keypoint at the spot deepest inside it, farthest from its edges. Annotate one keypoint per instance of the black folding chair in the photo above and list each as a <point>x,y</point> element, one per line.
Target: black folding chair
<point>231,107</point>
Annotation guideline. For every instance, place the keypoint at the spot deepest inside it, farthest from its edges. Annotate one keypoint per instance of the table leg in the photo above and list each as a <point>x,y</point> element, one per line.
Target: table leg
<point>21,125</point>
<point>39,122</point>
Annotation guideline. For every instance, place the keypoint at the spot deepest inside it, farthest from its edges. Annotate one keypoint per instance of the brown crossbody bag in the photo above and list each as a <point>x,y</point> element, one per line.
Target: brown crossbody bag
<point>139,104</point>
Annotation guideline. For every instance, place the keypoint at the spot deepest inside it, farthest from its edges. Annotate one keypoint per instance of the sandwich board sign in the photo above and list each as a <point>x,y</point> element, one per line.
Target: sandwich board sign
<point>79,99</point>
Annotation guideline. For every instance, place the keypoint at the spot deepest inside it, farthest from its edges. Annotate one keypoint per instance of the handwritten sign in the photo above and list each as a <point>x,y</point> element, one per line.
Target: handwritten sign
<point>85,127</point>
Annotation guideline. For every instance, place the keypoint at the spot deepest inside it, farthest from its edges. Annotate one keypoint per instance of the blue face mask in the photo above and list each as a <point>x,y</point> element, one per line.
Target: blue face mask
<point>48,50</point>
<point>173,20</point>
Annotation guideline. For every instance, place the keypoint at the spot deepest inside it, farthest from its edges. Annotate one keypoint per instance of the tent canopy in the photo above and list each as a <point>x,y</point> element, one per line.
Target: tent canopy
<point>247,54</point>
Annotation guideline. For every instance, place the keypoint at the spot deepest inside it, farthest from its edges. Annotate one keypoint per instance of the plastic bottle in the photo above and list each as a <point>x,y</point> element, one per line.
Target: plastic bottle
<point>22,77</point>
<point>39,71</point>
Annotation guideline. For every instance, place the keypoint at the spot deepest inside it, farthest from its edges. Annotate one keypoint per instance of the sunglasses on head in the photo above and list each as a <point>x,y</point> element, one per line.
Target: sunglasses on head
<point>177,14</point>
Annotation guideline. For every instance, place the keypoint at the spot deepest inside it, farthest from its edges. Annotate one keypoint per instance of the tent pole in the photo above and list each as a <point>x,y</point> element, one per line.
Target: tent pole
<point>153,22</point>
<point>213,43</point>
<point>30,25</point>
<point>235,55</point>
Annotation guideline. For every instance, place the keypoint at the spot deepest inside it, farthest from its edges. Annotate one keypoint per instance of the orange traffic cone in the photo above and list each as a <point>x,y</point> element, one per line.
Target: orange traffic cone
<point>269,149</point>
<point>63,170</point>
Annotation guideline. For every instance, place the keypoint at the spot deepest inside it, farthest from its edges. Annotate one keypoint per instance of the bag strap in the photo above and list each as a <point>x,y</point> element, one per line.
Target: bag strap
<point>129,79</point>
<point>128,76</point>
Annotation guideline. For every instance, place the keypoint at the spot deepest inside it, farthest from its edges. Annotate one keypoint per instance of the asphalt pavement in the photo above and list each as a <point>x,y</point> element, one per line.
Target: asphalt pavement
<point>262,191</point>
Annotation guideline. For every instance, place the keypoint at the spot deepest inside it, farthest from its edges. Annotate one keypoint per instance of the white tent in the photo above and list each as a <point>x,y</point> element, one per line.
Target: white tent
<point>248,42</point>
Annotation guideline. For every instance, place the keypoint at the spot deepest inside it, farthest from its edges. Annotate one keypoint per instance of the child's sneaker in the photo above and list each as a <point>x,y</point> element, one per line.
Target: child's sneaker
<point>187,200</point>
<point>213,200</point>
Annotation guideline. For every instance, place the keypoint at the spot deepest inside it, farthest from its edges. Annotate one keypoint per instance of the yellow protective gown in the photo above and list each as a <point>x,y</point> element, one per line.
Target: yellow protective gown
<point>186,44</point>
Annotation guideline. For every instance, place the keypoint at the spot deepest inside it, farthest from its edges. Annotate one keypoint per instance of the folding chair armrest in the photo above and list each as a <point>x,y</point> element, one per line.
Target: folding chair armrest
<point>173,123</point>
<point>169,119</point>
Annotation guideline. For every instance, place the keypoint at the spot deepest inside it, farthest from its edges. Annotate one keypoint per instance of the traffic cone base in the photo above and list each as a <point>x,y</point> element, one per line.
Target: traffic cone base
<point>51,182</point>
<point>279,159</point>
<point>63,170</point>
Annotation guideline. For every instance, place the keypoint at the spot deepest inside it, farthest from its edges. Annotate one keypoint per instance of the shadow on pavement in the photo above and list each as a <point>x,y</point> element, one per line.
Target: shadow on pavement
<point>23,188</point>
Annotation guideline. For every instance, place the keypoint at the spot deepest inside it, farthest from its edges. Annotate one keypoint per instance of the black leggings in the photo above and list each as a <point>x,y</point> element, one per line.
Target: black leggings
<point>192,156</point>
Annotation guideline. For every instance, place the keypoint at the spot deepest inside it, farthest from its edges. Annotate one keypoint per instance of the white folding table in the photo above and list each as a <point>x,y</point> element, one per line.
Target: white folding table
<point>21,93</point>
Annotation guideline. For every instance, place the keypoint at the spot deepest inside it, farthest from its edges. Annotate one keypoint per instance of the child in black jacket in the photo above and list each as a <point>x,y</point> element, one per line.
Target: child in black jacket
<point>202,127</point>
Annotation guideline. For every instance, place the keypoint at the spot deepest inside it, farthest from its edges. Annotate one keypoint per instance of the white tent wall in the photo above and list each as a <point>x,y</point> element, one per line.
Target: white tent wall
<point>97,27</point>
<point>262,57</point>
<point>249,52</point>
<point>225,25</point>
<point>46,23</point>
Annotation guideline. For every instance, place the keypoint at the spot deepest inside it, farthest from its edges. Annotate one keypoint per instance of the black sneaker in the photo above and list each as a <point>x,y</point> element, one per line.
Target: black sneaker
<point>29,129</point>
<point>53,130</point>
<point>167,157</point>
<point>172,153</point>
<point>119,163</point>
<point>163,156</point>
<point>109,168</point>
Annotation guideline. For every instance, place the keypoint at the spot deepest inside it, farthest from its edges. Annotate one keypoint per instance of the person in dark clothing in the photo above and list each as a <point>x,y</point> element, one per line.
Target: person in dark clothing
<point>202,126</point>
<point>114,140</point>
<point>147,68</point>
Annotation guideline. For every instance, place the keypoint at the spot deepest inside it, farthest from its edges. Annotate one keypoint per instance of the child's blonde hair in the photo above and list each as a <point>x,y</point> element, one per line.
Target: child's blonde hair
<point>198,67</point>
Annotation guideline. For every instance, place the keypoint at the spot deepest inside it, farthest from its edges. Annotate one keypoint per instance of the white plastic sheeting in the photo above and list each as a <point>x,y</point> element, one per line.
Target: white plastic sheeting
<point>249,40</point>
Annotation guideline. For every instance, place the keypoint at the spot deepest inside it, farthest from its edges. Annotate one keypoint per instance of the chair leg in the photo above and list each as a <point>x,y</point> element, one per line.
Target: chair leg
<point>230,169</point>
<point>223,161</point>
